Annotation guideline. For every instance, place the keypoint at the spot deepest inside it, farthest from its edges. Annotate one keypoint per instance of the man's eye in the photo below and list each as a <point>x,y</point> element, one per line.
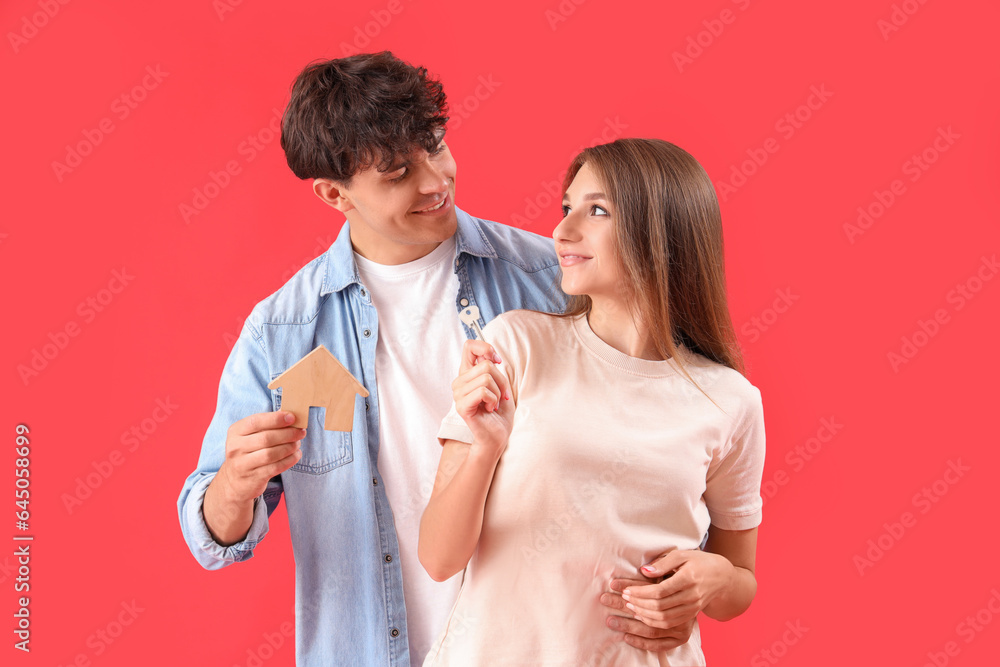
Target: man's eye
<point>440,149</point>
<point>397,179</point>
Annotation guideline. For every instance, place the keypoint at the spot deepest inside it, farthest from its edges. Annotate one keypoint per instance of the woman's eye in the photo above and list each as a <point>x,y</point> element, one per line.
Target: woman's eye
<point>565,210</point>
<point>597,208</point>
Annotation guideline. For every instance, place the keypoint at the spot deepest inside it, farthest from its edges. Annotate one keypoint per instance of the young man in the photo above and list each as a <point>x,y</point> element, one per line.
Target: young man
<point>385,299</point>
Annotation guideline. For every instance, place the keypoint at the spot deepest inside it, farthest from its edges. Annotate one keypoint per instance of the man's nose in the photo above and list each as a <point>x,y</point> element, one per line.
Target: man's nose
<point>432,178</point>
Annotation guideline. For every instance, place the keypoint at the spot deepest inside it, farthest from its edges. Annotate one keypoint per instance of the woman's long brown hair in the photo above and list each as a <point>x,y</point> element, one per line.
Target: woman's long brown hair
<point>668,237</point>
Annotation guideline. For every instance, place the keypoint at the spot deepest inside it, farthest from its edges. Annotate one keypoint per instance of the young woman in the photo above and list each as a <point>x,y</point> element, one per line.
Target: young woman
<point>599,446</point>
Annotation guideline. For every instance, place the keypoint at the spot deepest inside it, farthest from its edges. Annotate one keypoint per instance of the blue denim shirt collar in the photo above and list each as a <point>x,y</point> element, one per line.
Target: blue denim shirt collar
<point>341,269</point>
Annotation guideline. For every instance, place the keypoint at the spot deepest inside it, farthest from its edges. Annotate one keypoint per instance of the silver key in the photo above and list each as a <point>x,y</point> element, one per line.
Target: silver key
<point>470,317</point>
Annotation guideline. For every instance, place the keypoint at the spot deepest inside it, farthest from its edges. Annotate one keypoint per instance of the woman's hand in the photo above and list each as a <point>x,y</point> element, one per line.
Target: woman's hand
<point>483,399</point>
<point>698,578</point>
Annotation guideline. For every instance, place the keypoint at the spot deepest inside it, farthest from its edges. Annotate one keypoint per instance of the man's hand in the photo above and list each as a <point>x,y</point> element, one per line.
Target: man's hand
<point>637,633</point>
<point>691,579</point>
<point>259,447</point>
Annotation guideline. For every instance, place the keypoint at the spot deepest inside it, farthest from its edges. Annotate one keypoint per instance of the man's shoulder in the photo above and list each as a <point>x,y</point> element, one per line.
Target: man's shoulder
<point>527,250</point>
<point>298,300</point>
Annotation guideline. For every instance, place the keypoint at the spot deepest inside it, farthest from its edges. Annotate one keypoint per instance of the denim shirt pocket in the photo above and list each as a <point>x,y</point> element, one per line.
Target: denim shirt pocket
<point>322,450</point>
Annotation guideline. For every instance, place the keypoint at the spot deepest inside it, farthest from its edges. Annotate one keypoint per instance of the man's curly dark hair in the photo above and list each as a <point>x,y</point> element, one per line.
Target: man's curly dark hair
<point>348,114</point>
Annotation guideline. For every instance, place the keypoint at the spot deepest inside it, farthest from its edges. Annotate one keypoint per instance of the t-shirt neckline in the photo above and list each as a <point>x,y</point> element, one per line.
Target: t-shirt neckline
<point>444,251</point>
<point>617,358</point>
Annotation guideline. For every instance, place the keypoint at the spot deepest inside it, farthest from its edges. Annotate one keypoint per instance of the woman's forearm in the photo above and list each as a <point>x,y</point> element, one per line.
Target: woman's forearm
<point>735,598</point>
<point>451,524</point>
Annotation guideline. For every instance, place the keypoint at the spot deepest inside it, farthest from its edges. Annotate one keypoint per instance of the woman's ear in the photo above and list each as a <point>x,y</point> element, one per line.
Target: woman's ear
<point>332,193</point>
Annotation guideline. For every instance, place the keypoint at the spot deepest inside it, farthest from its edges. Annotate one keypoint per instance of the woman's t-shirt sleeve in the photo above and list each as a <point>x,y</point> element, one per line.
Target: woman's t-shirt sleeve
<point>500,335</point>
<point>732,491</point>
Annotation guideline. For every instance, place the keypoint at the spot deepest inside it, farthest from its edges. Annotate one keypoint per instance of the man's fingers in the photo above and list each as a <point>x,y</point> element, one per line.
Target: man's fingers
<point>614,601</point>
<point>262,458</point>
<point>670,617</point>
<point>654,644</point>
<point>621,584</point>
<point>637,628</point>
<point>643,636</point>
<point>262,421</point>
<point>282,465</point>
<point>278,436</point>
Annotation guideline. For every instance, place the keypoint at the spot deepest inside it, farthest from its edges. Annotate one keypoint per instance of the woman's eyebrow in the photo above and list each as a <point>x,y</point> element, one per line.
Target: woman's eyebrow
<point>588,197</point>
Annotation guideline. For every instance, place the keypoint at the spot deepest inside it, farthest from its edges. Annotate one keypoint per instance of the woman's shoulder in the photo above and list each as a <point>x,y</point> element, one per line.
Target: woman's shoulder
<point>524,333</point>
<point>724,384</point>
<point>527,322</point>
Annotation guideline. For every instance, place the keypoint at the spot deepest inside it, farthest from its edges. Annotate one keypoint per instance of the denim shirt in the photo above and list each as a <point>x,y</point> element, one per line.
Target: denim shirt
<point>348,583</point>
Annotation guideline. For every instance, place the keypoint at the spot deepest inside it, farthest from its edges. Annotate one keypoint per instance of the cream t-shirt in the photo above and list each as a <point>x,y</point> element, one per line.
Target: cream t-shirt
<point>612,461</point>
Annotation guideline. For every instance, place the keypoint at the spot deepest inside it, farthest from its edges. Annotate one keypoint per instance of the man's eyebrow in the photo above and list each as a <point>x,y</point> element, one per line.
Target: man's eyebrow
<point>398,166</point>
<point>589,196</point>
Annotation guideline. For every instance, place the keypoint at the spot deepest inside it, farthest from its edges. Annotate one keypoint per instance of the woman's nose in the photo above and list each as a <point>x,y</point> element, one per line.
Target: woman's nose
<point>566,229</point>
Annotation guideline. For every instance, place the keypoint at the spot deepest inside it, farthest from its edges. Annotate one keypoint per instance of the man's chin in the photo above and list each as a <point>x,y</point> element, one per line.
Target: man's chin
<point>442,228</point>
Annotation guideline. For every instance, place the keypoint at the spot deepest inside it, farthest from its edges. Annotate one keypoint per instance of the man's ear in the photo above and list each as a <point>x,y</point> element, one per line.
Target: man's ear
<point>332,193</point>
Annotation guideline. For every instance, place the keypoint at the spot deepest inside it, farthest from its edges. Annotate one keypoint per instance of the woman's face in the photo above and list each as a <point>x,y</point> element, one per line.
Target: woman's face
<point>584,239</point>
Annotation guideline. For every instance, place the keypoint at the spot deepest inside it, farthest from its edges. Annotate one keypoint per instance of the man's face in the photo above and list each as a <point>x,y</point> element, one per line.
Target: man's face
<point>404,213</point>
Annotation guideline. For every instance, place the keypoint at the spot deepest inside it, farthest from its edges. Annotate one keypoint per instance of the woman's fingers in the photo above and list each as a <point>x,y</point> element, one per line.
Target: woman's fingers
<point>666,619</point>
<point>475,350</point>
<point>481,388</point>
<point>473,377</point>
<point>648,597</point>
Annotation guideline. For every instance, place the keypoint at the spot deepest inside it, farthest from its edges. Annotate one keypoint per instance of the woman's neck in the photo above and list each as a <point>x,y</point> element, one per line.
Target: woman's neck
<point>611,322</point>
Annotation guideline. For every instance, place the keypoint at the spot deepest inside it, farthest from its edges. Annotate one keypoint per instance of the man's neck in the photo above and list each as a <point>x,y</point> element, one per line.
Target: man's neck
<point>383,251</point>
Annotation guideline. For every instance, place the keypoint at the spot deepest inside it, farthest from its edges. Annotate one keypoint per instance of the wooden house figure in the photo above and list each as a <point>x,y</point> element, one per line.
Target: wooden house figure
<point>319,380</point>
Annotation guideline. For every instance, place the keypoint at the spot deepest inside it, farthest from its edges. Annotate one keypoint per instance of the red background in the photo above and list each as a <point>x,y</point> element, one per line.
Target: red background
<point>556,85</point>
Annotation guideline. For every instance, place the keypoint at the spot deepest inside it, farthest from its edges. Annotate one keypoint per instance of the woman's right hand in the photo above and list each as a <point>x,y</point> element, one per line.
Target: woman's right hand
<point>483,398</point>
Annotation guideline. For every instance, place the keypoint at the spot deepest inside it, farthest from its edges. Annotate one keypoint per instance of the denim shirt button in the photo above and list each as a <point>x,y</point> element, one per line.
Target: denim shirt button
<point>464,302</point>
<point>374,481</point>
<point>394,632</point>
<point>367,333</point>
<point>388,558</point>
<point>366,406</point>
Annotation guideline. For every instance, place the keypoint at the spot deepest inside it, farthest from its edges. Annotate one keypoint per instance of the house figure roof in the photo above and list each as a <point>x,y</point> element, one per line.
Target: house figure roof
<point>319,380</point>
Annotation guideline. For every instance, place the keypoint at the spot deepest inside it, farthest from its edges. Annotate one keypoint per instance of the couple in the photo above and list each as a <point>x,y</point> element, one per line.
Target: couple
<point>580,466</point>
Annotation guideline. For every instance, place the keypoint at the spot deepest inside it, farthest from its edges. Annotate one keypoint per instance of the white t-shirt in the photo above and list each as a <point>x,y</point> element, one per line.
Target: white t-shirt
<point>420,338</point>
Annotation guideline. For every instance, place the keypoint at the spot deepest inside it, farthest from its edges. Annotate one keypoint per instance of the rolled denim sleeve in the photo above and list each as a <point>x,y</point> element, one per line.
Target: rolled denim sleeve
<point>242,392</point>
